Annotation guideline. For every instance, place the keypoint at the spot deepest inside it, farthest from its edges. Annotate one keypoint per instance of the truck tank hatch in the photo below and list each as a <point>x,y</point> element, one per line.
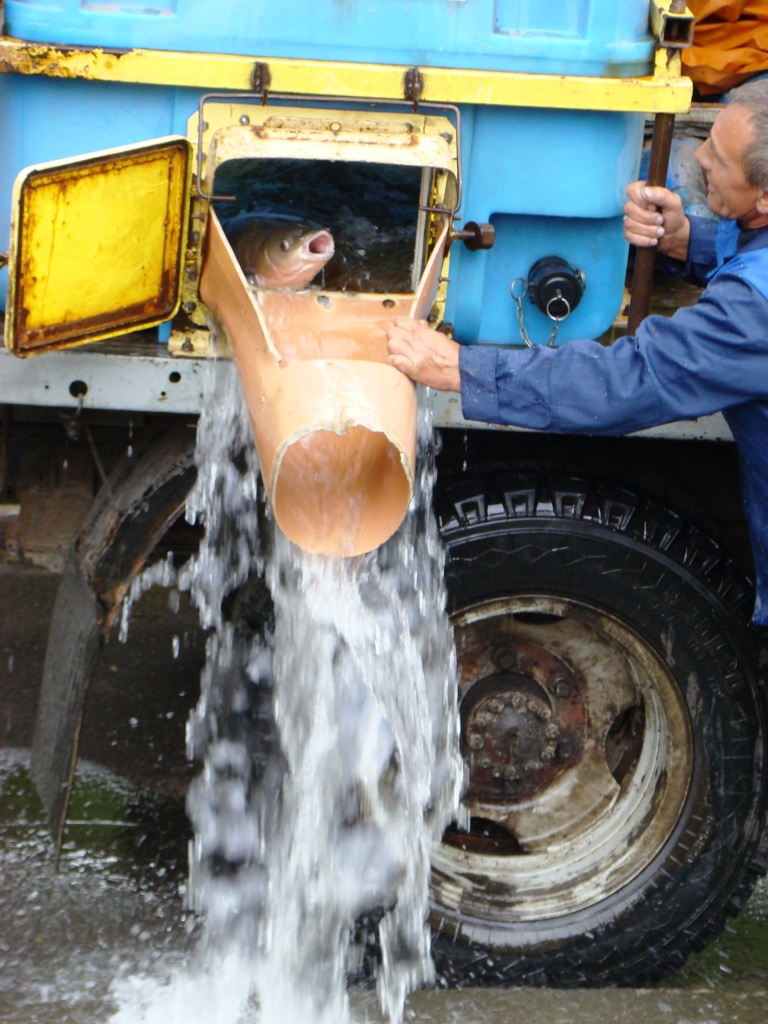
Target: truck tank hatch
<point>322,230</point>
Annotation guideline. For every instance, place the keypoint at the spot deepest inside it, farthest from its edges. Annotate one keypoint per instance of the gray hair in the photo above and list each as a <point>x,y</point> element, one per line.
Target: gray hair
<point>754,96</point>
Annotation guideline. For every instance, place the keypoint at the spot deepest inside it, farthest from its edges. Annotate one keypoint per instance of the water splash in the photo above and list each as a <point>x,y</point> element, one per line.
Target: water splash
<point>328,728</point>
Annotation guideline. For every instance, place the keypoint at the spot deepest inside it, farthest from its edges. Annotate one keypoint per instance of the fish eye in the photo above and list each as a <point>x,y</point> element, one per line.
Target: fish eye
<point>285,245</point>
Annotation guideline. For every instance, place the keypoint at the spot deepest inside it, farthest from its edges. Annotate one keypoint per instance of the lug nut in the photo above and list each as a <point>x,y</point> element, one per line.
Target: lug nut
<point>562,687</point>
<point>539,708</point>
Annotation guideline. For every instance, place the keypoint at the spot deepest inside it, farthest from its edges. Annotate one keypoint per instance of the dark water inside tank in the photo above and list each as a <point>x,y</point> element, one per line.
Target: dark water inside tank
<point>371,211</point>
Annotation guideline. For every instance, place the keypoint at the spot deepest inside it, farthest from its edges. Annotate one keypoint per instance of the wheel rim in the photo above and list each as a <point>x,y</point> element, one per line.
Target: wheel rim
<point>578,750</point>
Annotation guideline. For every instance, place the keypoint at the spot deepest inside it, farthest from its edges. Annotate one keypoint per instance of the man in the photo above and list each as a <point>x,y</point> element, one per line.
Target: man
<point>710,357</point>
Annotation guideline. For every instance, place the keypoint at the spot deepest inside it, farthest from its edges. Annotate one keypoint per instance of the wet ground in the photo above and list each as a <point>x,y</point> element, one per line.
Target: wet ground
<point>74,945</point>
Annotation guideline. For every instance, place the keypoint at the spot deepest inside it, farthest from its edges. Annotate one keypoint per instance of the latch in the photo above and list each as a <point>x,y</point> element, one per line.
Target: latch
<point>475,236</point>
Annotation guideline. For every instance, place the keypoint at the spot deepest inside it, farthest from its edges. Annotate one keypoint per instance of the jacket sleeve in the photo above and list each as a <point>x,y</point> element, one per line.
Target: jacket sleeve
<point>707,246</point>
<point>704,359</point>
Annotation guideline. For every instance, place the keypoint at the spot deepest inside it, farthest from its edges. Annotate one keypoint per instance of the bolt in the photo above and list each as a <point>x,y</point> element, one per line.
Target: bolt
<point>475,741</point>
<point>562,687</point>
<point>511,773</point>
<point>244,119</point>
<point>186,345</point>
<point>495,706</point>
<point>190,307</point>
<point>485,762</point>
<point>518,701</point>
<point>506,659</point>
<point>532,766</point>
<point>548,753</point>
<point>551,731</point>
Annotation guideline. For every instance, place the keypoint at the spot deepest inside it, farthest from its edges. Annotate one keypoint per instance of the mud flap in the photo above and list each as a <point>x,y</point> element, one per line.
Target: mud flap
<point>74,643</point>
<point>143,497</point>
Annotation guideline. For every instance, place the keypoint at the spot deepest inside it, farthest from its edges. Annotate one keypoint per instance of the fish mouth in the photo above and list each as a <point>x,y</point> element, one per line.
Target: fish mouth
<point>321,245</point>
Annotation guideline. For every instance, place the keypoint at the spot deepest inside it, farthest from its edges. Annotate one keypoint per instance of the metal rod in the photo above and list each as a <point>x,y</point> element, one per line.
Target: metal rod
<point>645,259</point>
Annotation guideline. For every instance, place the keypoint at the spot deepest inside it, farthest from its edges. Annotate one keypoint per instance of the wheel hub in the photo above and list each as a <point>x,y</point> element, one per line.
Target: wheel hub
<point>576,742</point>
<point>521,726</point>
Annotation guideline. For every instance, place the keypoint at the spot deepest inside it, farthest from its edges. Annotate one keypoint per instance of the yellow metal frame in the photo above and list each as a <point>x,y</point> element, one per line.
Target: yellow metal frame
<point>232,129</point>
<point>97,244</point>
<point>236,130</point>
<point>663,92</point>
<point>671,26</point>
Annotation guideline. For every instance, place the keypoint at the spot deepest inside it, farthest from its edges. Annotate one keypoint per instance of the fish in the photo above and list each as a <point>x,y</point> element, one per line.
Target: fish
<point>286,254</point>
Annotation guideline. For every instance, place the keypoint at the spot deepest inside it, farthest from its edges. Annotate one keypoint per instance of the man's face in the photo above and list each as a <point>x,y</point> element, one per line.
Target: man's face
<point>729,194</point>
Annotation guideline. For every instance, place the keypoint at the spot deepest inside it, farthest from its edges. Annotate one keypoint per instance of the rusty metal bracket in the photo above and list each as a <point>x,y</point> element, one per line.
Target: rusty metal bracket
<point>261,79</point>
<point>413,87</point>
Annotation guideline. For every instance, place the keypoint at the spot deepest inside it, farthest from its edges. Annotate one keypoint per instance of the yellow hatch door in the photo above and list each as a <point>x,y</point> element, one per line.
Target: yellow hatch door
<point>97,245</point>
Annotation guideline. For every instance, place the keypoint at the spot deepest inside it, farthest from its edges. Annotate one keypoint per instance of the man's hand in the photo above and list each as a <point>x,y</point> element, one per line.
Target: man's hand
<point>654,216</point>
<point>424,355</point>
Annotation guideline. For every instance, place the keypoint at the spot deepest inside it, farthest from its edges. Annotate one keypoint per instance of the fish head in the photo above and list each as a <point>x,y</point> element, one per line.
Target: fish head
<point>292,255</point>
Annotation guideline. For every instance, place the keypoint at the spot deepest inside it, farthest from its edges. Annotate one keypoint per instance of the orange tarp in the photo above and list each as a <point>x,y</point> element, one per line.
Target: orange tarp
<point>730,43</point>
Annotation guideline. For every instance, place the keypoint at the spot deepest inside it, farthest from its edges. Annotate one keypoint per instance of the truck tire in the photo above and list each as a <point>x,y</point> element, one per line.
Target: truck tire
<point>613,724</point>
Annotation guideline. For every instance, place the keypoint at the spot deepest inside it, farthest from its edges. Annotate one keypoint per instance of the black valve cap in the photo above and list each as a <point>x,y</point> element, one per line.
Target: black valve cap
<point>555,287</point>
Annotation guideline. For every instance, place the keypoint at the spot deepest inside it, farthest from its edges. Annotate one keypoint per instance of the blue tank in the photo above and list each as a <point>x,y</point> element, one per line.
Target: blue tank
<point>567,37</point>
<point>551,182</point>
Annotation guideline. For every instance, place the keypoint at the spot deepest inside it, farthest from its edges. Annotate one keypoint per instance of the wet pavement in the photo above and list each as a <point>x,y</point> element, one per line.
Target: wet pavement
<point>73,942</point>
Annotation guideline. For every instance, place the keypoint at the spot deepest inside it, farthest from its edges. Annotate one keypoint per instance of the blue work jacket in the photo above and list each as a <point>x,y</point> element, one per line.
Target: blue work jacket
<point>707,358</point>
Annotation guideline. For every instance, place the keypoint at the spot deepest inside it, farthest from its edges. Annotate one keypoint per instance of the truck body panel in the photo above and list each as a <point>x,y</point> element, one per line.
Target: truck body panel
<point>601,625</point>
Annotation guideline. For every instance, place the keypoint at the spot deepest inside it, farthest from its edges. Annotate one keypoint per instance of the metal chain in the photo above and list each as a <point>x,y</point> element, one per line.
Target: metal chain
<point>518,301</point>
<point>553,333</point>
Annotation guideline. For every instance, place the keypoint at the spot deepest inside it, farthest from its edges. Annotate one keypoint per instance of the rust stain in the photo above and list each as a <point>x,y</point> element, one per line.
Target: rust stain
<point>365,135</point>
<point>35,59</point>
<point>82,330</point>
